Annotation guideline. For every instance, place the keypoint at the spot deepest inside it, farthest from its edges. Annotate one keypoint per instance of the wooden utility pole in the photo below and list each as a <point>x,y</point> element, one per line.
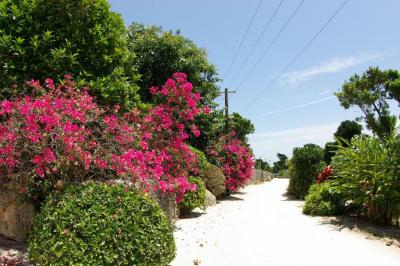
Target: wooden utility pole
<point>226,92</point>
<point>227,109</point>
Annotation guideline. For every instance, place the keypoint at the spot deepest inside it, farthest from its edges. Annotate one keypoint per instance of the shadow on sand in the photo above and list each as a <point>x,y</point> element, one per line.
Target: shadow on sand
<point>191,215</point>
<point>230,198</point>
<point>239,193</point>
<point>289,197</point>
<point>390,234</point>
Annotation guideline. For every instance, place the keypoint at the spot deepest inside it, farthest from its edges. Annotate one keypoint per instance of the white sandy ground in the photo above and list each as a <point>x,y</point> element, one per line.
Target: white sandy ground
<point>264,228</point>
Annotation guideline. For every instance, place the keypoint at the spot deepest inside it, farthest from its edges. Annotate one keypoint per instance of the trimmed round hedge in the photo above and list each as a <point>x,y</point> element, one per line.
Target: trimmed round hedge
<point>214,179</point>
<point>98,224</point>
<point>323,200</point>
<point>194,199</point>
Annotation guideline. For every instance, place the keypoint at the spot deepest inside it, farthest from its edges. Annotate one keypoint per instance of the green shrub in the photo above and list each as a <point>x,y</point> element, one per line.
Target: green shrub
<point>97,224</point>
<point>214,179</point>
<point>306,164</point>
<point>194,199</point>
<point>51,38</point>
<point>201,158</point>
<point>368,174</point>
<point>323,200</point>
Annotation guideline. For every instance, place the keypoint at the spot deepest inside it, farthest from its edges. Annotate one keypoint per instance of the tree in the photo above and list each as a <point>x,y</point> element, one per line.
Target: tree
<point>348,129</point>
<point>241,126</point>
<point>211,127</point>
<point>51,38</point>
<point>160,53</point>
<point>370,92</point>
<point>329,151</point>
<point>280,164</point>
<point>262,165</point>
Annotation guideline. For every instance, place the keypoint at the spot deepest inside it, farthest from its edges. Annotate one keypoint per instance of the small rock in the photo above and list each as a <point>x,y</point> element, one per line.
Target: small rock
<point>210,199</point>
<point>196,262</point>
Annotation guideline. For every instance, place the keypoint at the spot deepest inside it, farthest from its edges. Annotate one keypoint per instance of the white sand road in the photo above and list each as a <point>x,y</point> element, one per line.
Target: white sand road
<point>260,226</point>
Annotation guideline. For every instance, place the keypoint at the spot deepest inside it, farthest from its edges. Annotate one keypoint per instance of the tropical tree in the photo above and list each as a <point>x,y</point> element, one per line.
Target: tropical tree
<point>345,132</point>
<point>371,92</point>
<point>348,129</point>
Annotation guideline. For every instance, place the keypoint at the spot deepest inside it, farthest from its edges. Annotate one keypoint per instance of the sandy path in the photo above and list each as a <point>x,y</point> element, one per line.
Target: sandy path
<point>262,227</point>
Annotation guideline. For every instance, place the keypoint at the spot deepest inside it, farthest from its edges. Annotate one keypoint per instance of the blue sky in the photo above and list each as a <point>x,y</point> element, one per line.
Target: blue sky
<point>299,107</point>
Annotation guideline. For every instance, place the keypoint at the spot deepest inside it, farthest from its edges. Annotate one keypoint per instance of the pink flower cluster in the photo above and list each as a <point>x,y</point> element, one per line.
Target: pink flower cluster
<point>60,133</point>
<point>325,174</point>
<point>235,159</point>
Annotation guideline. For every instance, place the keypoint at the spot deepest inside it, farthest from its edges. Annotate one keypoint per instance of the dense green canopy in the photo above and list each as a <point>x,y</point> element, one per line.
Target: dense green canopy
<point>50,38</point>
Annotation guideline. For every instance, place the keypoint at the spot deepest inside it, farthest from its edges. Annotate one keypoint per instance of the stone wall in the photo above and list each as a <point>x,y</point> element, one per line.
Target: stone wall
<point>260,176</point>
<point>16,215</point>
<point>167,203</point>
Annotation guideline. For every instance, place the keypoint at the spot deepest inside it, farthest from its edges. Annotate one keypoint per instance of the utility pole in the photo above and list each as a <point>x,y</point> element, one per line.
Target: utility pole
<point>227,109</point>
<point>226,92</point>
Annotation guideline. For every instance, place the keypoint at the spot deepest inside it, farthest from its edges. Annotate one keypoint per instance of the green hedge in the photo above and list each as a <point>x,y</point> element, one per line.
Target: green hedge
<point>195,199</point>
<point>323,200</point>
<point>97,224</point>
<point>305,165</point>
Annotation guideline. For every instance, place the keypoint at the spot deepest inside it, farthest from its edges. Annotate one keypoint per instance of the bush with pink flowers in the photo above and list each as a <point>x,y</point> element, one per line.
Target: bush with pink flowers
<point>59,134</point>
<point>235,159</point>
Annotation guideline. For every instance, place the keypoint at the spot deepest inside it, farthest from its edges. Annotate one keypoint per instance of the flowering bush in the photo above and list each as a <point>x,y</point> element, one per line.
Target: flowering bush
<point>325,174</point>
<point>194,199</point>
<point>235,159</point>
<point>60,134</point>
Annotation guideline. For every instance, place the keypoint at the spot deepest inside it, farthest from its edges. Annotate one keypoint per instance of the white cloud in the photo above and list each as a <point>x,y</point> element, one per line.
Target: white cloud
<point>325,92</point>
<point>332,65</point>
<point>299,106</point>
<point>269,143</point>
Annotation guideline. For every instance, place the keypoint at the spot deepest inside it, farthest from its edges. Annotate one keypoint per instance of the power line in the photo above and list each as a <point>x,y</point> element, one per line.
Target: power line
<point>271,44</point>
<point>257,41</point>
<point>243,38</point>
<point>298,55</point>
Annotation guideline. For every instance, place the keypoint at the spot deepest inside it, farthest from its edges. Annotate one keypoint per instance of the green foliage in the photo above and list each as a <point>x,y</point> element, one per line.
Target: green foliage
<point>370,92</point>
<point>329,151</point>
<point>194,199</point>
<point>323,200</point>
<point>97,224</point>
<point>162,53</point>
<point>201,158</point>
<point>211,127</point>
<point>50,38</point>
<point>262,165</point>
<point>280,164</point>
<point>306,164</point>
<point>368,174</point>
<point>241,126</point>
<point>347,130</point>
<point>344,133</point>
<point>214,179</point>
